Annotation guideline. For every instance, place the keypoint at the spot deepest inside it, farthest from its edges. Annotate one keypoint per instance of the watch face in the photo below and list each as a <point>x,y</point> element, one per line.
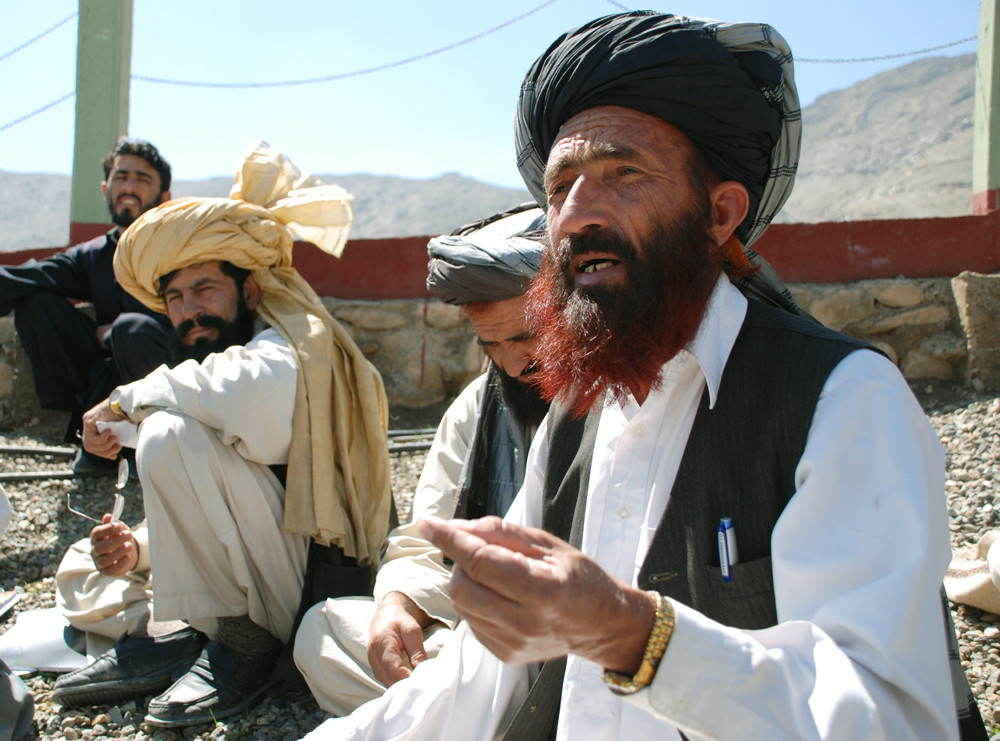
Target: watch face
<point>115,402</point>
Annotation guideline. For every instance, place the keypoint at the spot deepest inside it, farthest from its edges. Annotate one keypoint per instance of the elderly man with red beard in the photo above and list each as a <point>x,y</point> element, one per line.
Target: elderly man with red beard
<point>613,601</point>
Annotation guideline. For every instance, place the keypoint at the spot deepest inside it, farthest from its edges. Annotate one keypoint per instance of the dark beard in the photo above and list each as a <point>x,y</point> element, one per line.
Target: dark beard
<point>237,332</point>
<point>524,400</point>
<point>125,219</point>
<point>597,340</point>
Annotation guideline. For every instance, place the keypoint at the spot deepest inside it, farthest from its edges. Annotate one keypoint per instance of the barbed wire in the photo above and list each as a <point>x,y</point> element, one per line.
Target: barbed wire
<point>344,75</point>
<point>889,56</point>
<point>43,34</point>
<point>35,112</point>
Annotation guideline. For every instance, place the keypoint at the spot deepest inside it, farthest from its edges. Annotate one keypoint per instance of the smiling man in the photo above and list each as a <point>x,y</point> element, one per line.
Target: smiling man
<point>76,360</point>
<point>606,605</point>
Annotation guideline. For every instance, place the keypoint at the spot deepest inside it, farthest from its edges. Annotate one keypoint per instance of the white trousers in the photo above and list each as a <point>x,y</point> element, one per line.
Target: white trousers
<point>216,543</point>
<point>96,604</point>
<point>331,652</point>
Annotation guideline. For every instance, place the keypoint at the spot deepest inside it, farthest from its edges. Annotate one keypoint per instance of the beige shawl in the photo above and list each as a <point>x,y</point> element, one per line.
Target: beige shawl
<point>338,487</point>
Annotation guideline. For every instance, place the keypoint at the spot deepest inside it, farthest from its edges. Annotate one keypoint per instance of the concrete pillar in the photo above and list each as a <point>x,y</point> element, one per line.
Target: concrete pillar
<point>103,69</point>
<point>986,137</point>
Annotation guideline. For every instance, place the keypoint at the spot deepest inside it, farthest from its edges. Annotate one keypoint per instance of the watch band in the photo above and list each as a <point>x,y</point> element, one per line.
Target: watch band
<point>656,646</point>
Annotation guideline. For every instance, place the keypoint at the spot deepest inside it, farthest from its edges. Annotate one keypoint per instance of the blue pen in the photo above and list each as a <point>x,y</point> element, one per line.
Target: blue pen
<point>727,548</point>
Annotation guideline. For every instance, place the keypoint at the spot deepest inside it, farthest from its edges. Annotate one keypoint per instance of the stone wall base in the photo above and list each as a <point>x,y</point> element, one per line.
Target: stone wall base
<point>937,330</point>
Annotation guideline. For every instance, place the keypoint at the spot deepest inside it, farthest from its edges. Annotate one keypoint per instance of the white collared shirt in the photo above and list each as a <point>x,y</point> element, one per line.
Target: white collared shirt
<point>857,555</point>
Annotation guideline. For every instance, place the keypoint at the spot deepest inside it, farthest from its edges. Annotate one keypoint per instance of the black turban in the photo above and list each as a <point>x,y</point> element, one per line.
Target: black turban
<point>489,260</point>
<point>727,86</point>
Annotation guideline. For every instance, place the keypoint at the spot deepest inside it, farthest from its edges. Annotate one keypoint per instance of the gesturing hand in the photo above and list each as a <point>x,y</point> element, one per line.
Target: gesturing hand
<point>113,547</point>
<point>396,638</point>
<point>529,596</point>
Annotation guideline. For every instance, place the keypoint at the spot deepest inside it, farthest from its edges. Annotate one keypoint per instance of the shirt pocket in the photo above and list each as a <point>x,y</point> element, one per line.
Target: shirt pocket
<point>747,601</point>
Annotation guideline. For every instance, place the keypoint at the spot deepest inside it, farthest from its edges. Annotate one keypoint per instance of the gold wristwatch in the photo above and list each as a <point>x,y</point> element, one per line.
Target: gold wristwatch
<point>115,402</point>
<point>659,637</point>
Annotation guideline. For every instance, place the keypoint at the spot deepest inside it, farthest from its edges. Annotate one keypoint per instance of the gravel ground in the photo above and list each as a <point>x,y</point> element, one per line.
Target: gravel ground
<point>42,529</point>
<point>40,532</point>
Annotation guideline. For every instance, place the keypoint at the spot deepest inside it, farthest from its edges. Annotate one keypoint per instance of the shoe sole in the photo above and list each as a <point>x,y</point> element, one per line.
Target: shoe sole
<point>109,694</point>
<point>212,715</point>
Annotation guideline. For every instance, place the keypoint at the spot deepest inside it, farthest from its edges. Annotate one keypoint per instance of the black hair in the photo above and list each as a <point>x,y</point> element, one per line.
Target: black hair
<point>140,148</point>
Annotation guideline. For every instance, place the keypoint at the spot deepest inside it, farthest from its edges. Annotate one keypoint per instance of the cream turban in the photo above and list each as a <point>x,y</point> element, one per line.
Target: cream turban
<point>338,487</point>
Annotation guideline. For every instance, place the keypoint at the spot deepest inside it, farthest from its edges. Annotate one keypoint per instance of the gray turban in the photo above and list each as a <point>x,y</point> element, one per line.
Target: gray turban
<point>727,86</point>
<point>489,260</point>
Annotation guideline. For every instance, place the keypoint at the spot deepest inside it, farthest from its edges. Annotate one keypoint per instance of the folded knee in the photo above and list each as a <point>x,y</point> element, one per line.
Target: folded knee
<point>165,438</point>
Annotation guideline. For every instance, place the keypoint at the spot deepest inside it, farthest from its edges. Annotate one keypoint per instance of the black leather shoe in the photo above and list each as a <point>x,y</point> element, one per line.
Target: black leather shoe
<point>219,684</point>
<point>134,667</point>
<point>86,464</point>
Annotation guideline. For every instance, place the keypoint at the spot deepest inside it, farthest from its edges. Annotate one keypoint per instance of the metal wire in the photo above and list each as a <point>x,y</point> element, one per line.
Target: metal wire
<point>344,75</point>
<point>889,56</point>
<point>35,112</point>
<point>44,33</point>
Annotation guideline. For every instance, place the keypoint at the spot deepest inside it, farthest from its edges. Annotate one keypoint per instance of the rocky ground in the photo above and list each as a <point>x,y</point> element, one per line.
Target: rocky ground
<point>42,529</point>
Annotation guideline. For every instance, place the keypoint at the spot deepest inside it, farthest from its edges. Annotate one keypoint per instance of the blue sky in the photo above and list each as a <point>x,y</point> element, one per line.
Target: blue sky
<point>448,112</point>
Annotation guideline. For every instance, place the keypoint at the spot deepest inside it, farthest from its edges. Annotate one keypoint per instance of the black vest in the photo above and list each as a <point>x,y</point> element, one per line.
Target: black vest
<point>739,462</point>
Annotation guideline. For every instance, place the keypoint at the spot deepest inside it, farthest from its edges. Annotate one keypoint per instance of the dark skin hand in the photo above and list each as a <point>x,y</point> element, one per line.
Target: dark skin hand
<point>396,638</point>
<point>113,547</point>
<point>529,596</point>
<point>104,444</point>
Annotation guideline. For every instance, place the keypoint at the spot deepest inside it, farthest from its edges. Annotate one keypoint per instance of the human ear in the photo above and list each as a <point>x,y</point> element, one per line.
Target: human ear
<point>251,292</point>
<point>730,204</point>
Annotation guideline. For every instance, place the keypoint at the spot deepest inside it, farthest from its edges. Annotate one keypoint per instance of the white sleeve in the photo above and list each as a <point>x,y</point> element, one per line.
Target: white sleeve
<point>858,557</point>
<point>412,565</point>
<point>464,694</point>
<point>246,394</point>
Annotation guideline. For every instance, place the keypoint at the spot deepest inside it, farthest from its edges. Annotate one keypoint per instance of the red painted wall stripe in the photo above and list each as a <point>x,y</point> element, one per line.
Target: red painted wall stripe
<point>834,252</point>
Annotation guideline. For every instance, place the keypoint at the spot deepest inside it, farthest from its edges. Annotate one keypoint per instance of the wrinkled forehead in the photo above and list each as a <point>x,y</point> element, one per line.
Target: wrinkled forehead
<point>496,321</point>
<point>615,132</point>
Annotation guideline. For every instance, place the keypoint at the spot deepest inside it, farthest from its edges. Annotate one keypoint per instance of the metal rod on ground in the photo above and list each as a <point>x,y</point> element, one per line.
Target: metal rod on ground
<point>400,441</point>
<point>36,450</point>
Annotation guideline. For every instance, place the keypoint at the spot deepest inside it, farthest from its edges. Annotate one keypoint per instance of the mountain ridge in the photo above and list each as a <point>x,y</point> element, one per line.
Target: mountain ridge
<point>895,145</point>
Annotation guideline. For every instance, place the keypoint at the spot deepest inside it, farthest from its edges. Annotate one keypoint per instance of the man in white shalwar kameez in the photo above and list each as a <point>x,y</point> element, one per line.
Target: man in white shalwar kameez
<point>691,401</point>
<point>272,434</point>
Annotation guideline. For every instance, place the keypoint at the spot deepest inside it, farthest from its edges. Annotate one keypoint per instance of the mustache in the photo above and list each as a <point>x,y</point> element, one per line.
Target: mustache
<point>205,320</point>
<point>603,241</point>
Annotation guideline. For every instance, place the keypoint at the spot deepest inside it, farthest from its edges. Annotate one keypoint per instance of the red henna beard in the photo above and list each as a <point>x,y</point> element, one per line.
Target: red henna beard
<point>594,340</point>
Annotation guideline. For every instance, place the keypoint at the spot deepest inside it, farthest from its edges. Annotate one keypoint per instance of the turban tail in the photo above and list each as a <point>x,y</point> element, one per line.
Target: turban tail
<point>338,488</point>
<point>490,260</point>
